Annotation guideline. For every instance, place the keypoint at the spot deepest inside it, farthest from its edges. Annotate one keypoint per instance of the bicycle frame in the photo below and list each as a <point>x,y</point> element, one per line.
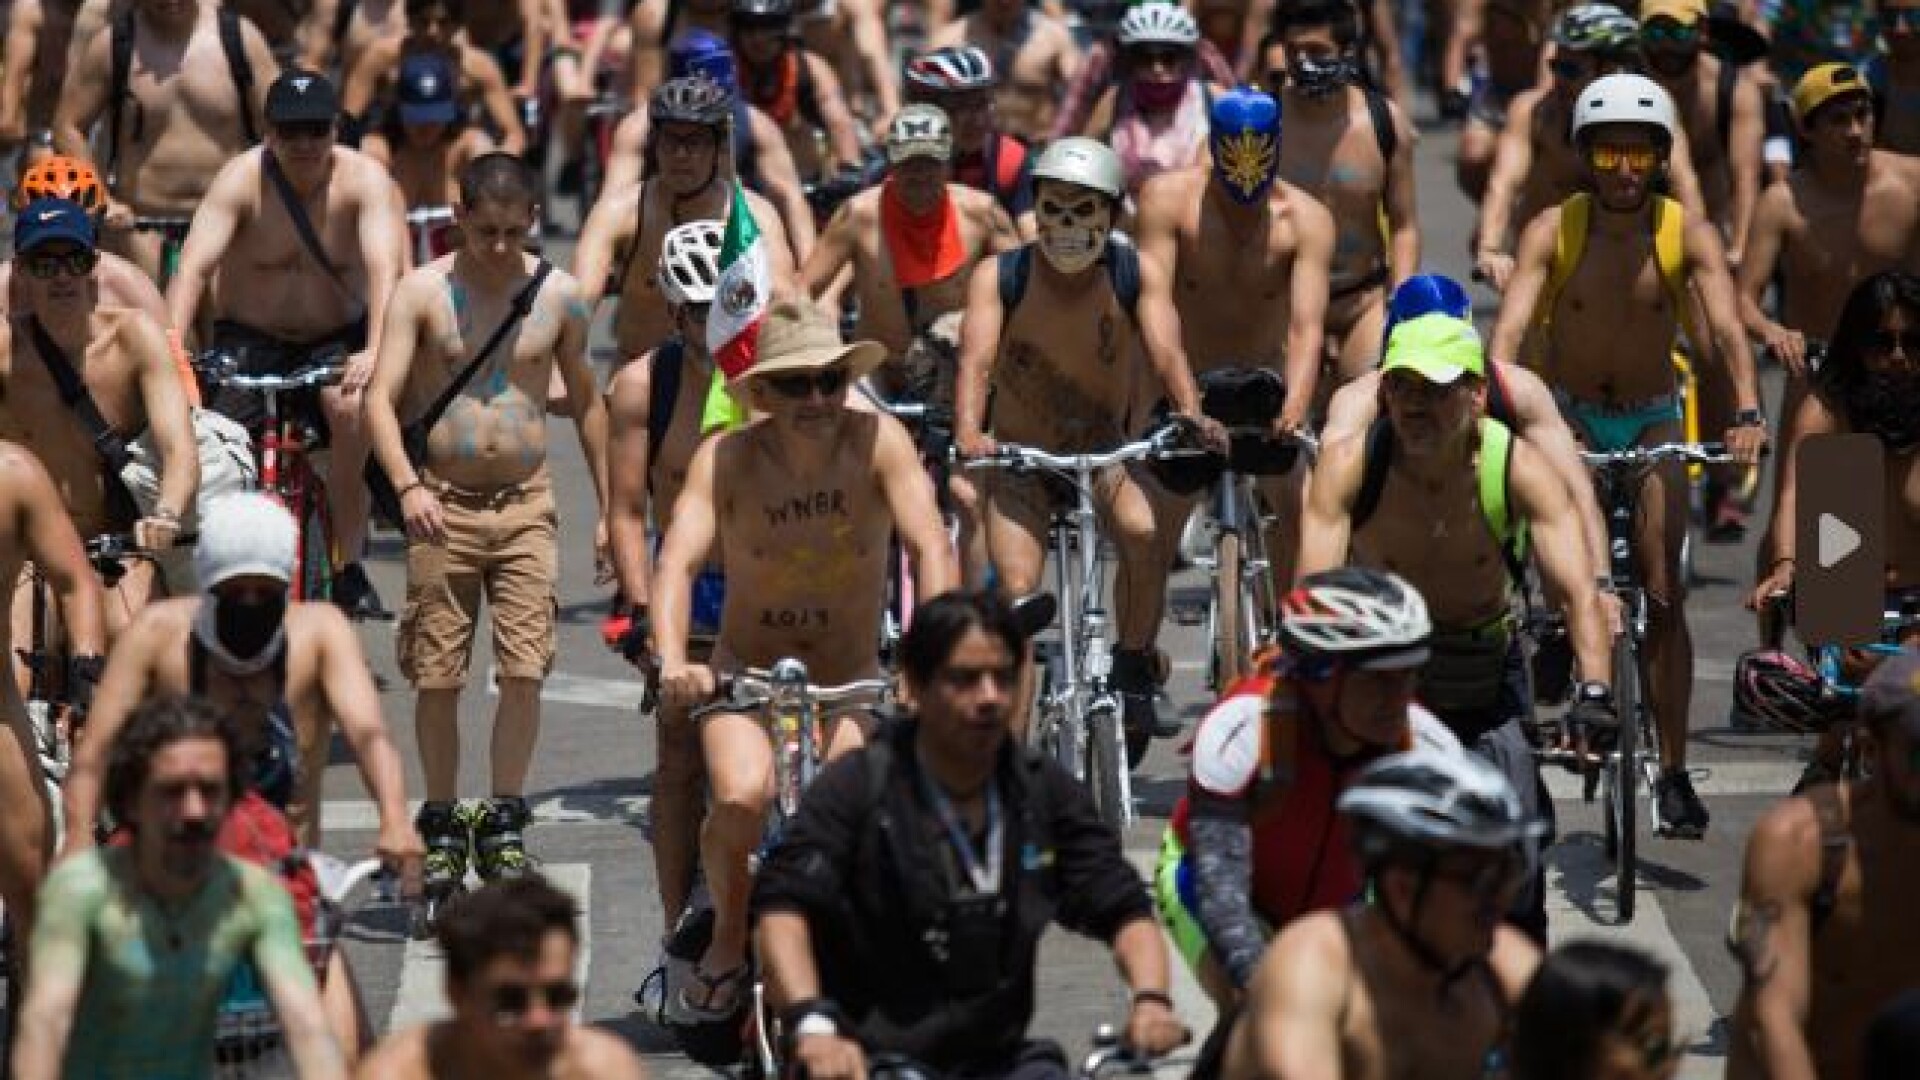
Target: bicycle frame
<point>1235,509</point>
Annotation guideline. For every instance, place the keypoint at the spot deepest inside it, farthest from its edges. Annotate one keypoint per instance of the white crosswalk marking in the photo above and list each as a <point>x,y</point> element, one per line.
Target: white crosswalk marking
<point>1721,778</point>
<point>423,969</point>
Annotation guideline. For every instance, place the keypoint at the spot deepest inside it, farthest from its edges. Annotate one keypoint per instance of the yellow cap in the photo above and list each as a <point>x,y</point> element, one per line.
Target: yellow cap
<point>1684,12</point>
<point>1822,84</point>
<point>1437,347</point>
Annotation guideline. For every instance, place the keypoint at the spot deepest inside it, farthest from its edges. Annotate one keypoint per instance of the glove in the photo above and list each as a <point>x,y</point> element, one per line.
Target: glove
<point>83,675</point>
<point>1594,717</point>
<point>627,631</point>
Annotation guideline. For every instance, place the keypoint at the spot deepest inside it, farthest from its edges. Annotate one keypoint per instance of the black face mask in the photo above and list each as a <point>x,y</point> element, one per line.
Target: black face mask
<point>1672,62</point>
<point>1319,78</point>
<point>246,626</point>
<point>1882,405</point>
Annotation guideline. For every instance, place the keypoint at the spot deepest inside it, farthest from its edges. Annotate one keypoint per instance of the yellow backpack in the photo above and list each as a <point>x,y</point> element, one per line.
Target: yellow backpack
<point>1669,250</point>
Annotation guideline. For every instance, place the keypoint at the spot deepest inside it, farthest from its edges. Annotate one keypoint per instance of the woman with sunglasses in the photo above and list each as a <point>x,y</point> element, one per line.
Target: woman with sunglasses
<point>1596,1011</point>
<point>1155,115</point>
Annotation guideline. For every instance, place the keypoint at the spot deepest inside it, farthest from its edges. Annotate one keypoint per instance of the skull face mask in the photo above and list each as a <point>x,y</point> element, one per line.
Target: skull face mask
<point>1073,223</point>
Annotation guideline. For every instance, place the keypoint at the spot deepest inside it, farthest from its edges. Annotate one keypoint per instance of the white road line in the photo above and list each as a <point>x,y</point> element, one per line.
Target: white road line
<point>362,815</point>
<point>1718,778</point>
<point>589,691</point>
<point>423,970</point>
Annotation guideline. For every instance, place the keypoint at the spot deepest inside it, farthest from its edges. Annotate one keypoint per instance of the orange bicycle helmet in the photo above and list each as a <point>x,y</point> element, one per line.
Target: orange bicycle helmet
<point>60,177</point>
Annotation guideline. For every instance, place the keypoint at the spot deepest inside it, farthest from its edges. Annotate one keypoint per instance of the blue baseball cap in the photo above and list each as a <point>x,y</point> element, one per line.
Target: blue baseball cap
<point>46,221</point>
<point>429,89</point>
<point>1428,294</point>
<point>698,52</point>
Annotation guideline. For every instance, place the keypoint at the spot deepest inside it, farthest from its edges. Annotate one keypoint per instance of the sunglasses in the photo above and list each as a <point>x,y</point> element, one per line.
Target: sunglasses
<point>305,129</point>
<point>45,266</point>
<point>1152,55</point>
<point>1482,877</point>
<point>1663,32</point>
<point>1606,158</point>
<point>512,1001</point>
<point>1904,20</point>
<point>826,383</point>
<point>1907,341</point>
<point>1844,113</point>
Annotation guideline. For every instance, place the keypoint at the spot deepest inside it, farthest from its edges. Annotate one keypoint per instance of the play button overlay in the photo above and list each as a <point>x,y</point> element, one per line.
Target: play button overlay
<point>1836,540</point>
<point>1840,573</point>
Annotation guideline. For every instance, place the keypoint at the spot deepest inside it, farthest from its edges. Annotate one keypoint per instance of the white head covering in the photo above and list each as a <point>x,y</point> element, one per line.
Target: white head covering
<point>244,533</point>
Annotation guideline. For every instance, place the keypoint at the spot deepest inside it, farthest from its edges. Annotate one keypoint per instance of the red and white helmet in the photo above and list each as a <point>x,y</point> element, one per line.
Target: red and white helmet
<point>1356,616</point>
<point>951,70</point>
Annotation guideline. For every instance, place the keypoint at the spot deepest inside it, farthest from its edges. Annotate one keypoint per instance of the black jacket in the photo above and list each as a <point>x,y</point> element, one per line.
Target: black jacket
<point>866,863</point>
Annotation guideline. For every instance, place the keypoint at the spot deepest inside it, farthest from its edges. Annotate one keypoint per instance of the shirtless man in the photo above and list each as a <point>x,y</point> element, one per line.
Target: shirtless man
<point>1249,254</point>
<point>689,177</point>
<point>761,160</point>
<point>275,302</point>
<point>337,32</point>
<point>32,72</point>
<point>1824,930</point>
<point>799,506</point>
<point>425,143</point>
<point>795,86</point>
<point>960,82</point>
<point>1336,151</point>
<point>479,508</point>
<point>35,528</point>
<point>1513,40</point>
<point>515,33</point>
<point>1032,52</point>
<point>851,35</point>
<point>183,119</point>
<point>511,954</point>
<point>123,363</point>
<point>1062,363</point>
<point>1420,980</point>
<point>1430,525</point>
<point>432,27</point>
<point>655,27</point>
<point>1604,330</point>
<point>286,675</point>
<point>1536,165</point>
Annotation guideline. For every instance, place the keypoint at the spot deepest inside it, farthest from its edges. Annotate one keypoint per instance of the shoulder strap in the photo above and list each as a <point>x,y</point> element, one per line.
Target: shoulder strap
<point>1015,267</point>
<point>342,26</point>
<point>1494,475</point>
<point>107,443</point>
<point>1384,133</point>
<point>121,76</point>
<point>663,389</point>
<point>1123,271</point>
<point>1568,249</point>
<point>990,166</point>
<point>1499,402</point>
<point>1723,103</point>
<point>1670,251</point>
<point>240,67</point>
<point>302,224</point>
<point>521,304</point>
<point>1373,474</point>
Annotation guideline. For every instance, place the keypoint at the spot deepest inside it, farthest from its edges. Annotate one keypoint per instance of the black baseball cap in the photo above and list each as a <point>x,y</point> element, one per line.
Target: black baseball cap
<point>428,92</point>
<point>302,97</point>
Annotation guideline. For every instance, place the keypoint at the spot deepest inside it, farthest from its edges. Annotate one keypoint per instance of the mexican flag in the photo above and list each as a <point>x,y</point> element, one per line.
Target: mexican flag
<point>740,301</point>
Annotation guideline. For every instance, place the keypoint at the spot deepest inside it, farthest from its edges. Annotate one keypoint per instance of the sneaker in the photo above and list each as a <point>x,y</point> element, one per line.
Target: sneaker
<point>1135,676</point>
<point>1682,814</point>
<point>353,593</point>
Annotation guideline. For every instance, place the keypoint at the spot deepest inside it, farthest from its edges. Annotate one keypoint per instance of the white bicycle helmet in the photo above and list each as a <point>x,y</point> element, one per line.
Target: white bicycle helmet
<point>1625,99</point>
<point>1089,163</point>
<point>1354,615</point>
<point>690,262</point>
<point>1419,803</point>
<point>1158,24</point>
<point>950,70</point>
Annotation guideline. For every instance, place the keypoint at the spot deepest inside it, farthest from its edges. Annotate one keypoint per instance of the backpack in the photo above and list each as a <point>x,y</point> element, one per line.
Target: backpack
<point>1669,250</point>
<point>1123,271</point>
<point>1385,135</point>
<point>256,831</point>
<point>238,65</point>
<point>1495,467</point>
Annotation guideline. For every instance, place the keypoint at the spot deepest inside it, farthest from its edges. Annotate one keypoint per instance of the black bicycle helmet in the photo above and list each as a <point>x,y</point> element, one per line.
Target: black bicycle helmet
<point>1778,690</point>
<point>691,99</point>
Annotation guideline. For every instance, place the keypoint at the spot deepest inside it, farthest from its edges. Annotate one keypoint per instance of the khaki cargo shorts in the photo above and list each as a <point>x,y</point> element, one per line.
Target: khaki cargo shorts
<point>501,545</point>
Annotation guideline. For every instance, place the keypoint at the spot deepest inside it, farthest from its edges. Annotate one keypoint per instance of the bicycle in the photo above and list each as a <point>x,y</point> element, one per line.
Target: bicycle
<point>285,445</point>
<point>1078,711</point>
<point>428,227</point>
<point>1635,758</point>
<point>1841,670</point>
<point>932,428</point>
<point>173,237</point>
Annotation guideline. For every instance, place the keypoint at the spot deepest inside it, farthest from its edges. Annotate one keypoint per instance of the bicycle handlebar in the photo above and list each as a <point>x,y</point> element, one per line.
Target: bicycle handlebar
<point>755,687</point>
<point>217,366</point>
<point>1708,453</point>
<point>1109,1054</point>
<point>430,215</point>
<point>161,223</point>
<point>1015,456</point>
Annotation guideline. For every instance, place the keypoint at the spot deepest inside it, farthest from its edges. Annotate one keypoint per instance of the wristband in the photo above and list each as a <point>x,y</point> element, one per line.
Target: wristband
<point>417,483</point>
<point>166,514</point>
<point>1158,997</point>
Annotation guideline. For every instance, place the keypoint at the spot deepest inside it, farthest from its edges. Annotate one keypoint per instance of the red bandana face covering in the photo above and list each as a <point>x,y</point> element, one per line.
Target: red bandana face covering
<point>924,247</point>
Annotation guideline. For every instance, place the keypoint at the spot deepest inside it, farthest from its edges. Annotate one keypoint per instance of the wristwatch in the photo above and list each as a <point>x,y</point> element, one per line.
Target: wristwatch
<point>815,1023</point>
<point>1749,418</point>
<point>815,1016</point>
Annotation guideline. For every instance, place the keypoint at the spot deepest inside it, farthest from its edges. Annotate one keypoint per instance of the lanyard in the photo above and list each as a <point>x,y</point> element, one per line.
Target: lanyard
<point>986,879</point>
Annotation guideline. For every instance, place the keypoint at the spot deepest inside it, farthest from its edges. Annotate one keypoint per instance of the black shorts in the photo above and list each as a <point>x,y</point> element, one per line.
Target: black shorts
<point>261,353</point>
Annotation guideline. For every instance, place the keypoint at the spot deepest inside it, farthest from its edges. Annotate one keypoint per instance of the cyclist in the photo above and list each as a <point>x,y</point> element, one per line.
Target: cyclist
<point>169,127</point>
<point>1421,980</point>
<point>810,497</point>
<point>1200,223</point>
<point>39,35</point>
<point>1596,1011</point>
<point>760,158</point>
<point>1053,328</point>
<point>1822,941</point>
<point>126,395</point>
<point>1607,353</point>
<point>433,26</point>
<point>794,86</point>
<point>912,241</point>
<point>689,177</point>
<point>1536,164</point>
<point>286,675</point>
<point>1032,51</point>
<point>1451,501</point>
<point>654,411</point>
<point>1513,43</point>
<point>1254,843</point>
<point>518,37</point>
<point>35,528</point>
<point>479,505</point>
<point>656,27</point>
<point>1096,70</point>
<point>960,82</point>
<point>849,903</point>
<point>425,142</point>
<point>339,31</point>
<point>136,944</point>
<point>294,252</point>
<point>1155,114</point>
<point>852,36</point>
<point>511,952</point>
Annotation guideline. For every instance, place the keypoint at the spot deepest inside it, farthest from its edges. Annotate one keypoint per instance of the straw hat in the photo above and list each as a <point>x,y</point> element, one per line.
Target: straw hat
<point>798,335</point>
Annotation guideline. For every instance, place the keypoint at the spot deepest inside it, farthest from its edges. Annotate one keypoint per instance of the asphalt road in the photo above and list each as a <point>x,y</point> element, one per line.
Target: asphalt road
<point>591,780</point>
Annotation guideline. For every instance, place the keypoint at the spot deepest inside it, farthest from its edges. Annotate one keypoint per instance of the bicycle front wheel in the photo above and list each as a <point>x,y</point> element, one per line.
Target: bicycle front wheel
<point>1623,776</point>
<point>1229,660</point>
<point>1107,768</point>
<point>315,543</point>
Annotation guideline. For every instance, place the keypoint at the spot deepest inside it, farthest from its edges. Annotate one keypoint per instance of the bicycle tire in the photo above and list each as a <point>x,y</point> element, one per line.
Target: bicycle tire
<point>1229,659</point>
<point>1049,720</point>
<point>1622,831</point>
<point>1104,781</point>
<point>315,544</point>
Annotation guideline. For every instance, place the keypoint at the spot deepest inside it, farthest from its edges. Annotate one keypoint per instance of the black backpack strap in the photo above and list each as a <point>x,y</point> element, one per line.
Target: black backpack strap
<point>342,26</point>
<point>107,442</point>
<point>1373,474</point>
<point>663,389</point>
<point>807,93</point>
<point>1385,135</point>
<point>1123,272</point>
<point>1015,267</point>
<point>121,31</point>
<point>1723,103</point>
<point>302,224</point>
<point>241,68</point>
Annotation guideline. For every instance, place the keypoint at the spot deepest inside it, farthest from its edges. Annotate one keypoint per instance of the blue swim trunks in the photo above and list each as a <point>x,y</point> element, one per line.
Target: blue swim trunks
<point>1608,428</point>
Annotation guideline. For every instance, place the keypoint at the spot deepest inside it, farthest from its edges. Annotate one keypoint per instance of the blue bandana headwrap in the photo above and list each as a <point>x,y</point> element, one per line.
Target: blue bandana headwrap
<point>1245,140</point>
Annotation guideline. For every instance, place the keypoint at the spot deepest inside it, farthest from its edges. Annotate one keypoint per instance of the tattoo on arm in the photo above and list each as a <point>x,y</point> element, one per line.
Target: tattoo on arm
<point>1752,940</point>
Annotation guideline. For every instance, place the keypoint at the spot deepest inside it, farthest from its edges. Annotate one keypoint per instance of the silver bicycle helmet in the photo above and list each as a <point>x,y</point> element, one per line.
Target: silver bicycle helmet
<point>1423,802</point>
<point>1086,162</point>
<point>1625,99</point>
<point>691,99</point>
<point>1158,23</point>
<point>954,69</point>
<point>690,262</point>
<point>1358,616</point>
<point>1596,28</point>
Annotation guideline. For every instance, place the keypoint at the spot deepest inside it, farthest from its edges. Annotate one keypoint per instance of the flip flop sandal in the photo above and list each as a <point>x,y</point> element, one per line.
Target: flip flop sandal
<point>711,989</point>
